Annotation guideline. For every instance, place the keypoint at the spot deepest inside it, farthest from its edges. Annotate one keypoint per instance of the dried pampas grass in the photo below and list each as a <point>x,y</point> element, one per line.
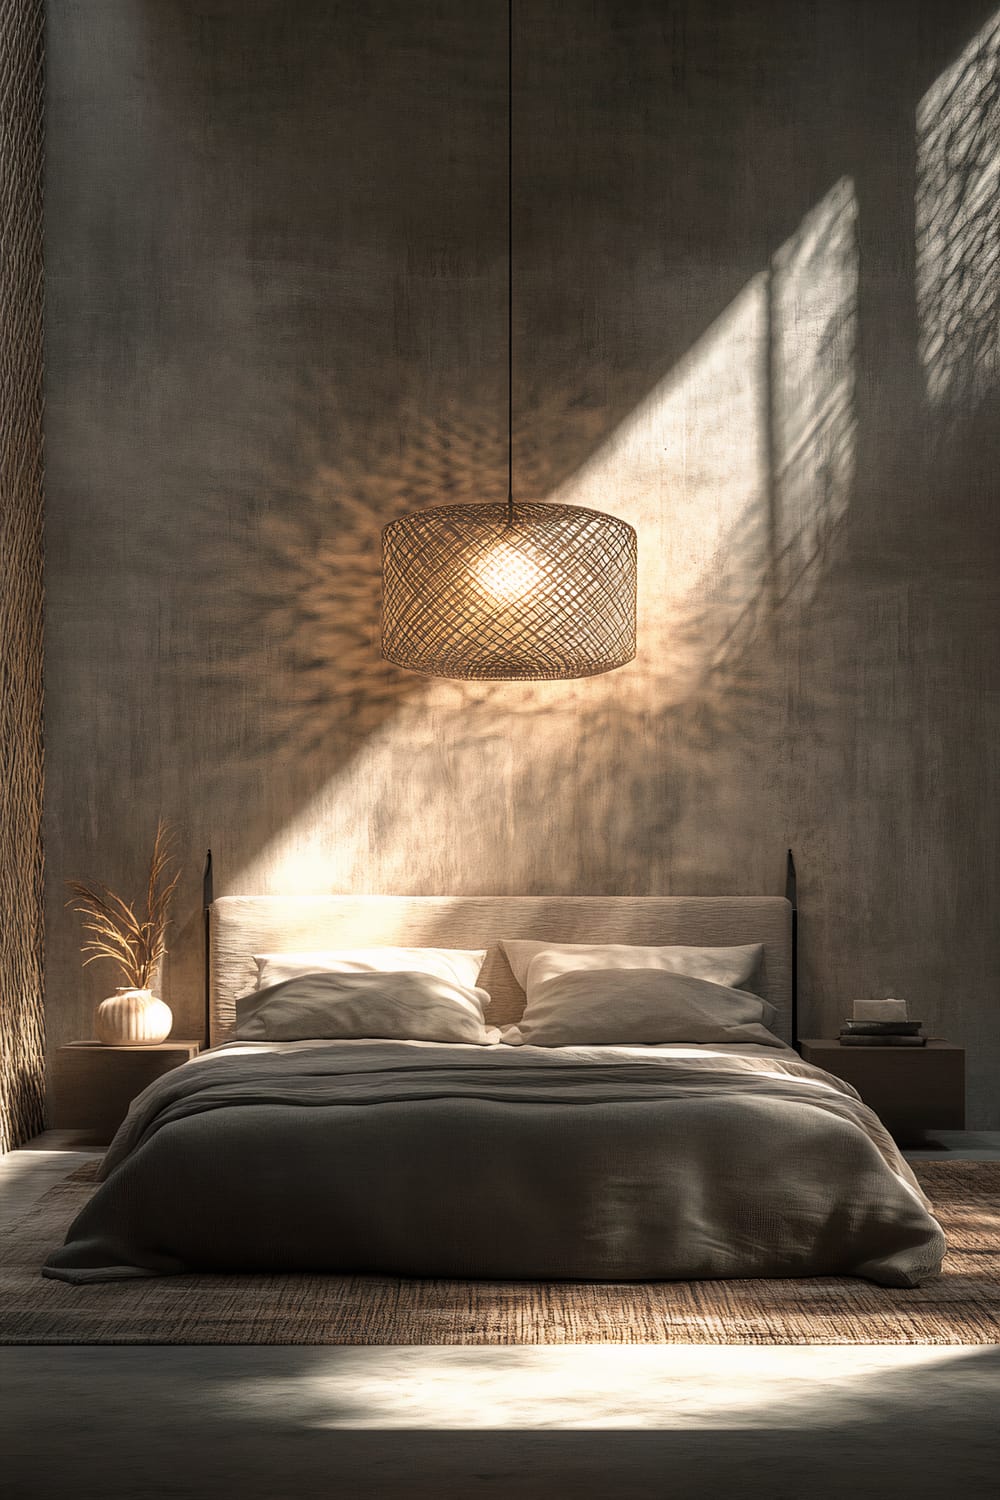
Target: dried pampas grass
<point>136,943</point>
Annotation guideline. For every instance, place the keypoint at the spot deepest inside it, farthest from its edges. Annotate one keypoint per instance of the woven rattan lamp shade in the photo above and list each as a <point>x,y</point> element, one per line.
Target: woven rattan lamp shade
<point>486,592</point>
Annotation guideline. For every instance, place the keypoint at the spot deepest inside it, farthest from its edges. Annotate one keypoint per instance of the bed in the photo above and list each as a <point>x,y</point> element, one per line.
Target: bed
<point>441,1159</point>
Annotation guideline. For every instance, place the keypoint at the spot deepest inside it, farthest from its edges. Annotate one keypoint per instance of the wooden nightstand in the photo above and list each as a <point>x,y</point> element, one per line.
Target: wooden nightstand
<point>911,1089</point>
<point>94,1085</point>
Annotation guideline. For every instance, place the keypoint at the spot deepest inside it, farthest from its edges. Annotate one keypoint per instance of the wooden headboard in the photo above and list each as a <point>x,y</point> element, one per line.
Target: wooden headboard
<point>240,926</point>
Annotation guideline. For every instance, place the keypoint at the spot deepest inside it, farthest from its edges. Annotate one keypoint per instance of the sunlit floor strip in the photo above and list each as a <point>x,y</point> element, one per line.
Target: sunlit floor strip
<point>619,1386</point>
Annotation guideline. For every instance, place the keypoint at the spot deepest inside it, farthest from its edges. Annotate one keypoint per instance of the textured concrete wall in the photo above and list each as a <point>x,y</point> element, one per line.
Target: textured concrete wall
<point>756,297</point>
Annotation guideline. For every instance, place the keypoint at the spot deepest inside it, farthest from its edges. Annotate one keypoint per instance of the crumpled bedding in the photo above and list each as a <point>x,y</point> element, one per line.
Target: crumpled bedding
<point>448,1160</point>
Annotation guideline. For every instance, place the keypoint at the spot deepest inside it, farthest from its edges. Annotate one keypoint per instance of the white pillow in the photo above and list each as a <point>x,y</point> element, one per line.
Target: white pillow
<point>535,963</point>
<point>406,1006</point>
<point>460,965</point>
<point>608,1007</point>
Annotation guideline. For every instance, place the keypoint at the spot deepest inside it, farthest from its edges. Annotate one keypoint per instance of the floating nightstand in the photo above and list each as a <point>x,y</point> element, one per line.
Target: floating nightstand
<point>95,1084</point>
<point>911,1089</point>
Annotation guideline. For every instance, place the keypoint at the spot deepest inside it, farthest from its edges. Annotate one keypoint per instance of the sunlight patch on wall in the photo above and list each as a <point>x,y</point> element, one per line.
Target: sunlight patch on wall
<point>958,223</point>
<point>685,468</point>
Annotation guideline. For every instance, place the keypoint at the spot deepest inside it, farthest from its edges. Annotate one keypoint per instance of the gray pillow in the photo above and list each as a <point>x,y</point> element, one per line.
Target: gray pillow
<point>404,1006</point>
<point>639,1006</point>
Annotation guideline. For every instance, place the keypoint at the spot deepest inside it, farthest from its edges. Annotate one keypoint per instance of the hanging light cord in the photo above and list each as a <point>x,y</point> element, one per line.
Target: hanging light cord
<point>510,262</point>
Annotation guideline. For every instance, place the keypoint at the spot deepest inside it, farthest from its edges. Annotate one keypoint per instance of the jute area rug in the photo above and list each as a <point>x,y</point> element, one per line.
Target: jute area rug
<point>960,1307</point>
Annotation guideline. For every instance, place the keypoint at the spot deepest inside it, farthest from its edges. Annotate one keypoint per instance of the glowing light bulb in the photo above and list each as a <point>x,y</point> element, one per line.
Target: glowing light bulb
<point>506,573</point>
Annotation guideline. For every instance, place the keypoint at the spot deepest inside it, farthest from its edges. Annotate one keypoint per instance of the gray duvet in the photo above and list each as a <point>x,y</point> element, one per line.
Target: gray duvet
<point>430,1159</point>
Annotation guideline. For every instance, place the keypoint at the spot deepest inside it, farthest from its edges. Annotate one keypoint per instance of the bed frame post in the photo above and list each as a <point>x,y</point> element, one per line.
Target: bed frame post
<point>207,897</point>
<point>791,894</point>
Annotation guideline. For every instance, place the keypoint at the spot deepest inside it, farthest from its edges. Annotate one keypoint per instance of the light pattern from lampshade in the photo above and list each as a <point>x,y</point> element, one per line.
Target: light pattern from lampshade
<point>469,592</point>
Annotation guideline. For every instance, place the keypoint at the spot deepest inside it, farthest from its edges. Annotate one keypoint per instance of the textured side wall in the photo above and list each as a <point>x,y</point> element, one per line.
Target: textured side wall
<point>756,300</point>
<point>21,1012</point>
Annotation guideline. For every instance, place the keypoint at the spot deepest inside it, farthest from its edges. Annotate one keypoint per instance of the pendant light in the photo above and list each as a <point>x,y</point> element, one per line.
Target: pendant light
<point>514,591</point>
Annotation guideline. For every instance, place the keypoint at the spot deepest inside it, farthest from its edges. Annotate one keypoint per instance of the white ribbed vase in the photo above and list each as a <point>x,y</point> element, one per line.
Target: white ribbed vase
<point>131,1018</point>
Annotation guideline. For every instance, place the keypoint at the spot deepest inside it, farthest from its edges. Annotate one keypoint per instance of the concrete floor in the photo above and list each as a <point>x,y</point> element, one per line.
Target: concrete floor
<point>581,1421</point>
